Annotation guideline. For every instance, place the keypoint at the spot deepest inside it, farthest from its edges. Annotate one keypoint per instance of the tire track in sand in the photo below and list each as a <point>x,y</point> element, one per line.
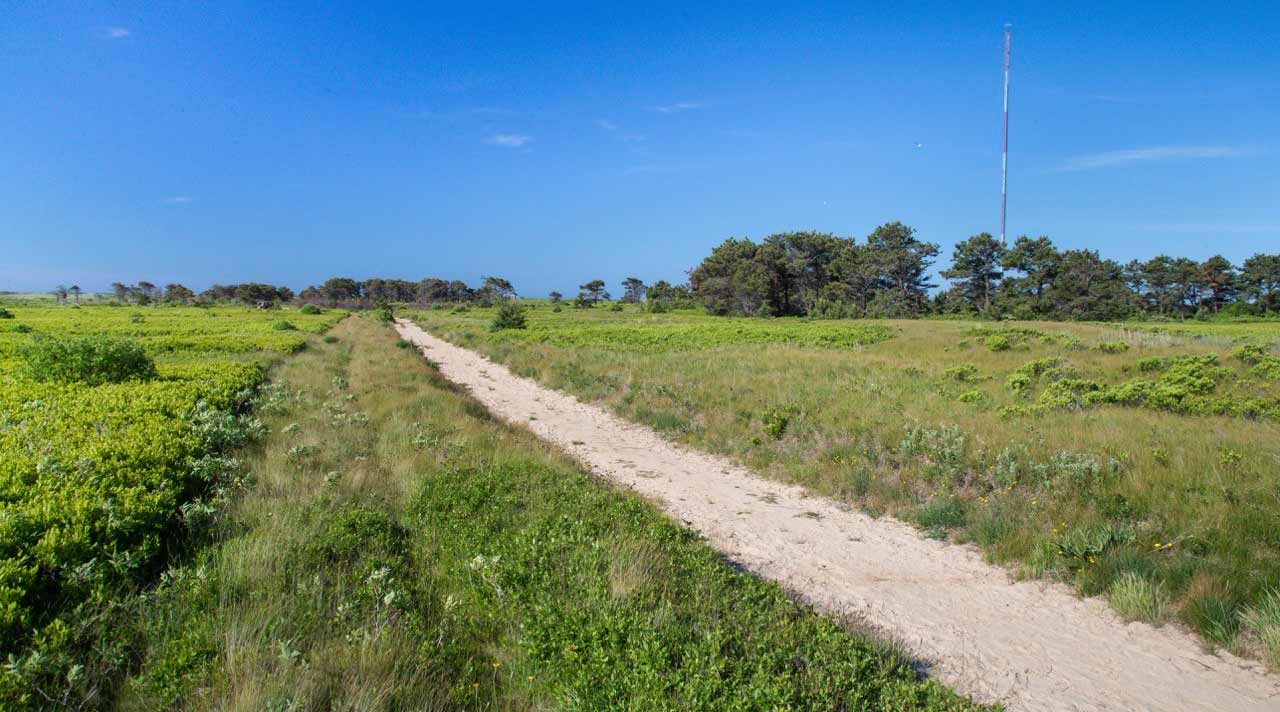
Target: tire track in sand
<point>1028,645</point>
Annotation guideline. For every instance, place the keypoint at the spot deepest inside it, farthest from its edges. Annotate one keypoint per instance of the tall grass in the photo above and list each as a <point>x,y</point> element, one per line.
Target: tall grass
<point>400,550</point>
<point>996,446</point>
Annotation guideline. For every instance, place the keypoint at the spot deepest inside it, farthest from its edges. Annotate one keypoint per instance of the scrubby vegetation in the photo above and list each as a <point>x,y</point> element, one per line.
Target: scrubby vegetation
<point>1144,472</point>
<point>112,447</point>
<point>401,550</point>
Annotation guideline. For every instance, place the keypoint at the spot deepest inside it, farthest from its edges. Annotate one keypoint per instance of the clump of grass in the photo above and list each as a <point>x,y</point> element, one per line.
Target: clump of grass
<point>1262,623</point>
<point>330,339</point>
<point>1138,598</point>
<point>283,325</point>
<point>92,360</point>
<point>311,309</point>
<point>5,313</point>
<point>1111,347</point>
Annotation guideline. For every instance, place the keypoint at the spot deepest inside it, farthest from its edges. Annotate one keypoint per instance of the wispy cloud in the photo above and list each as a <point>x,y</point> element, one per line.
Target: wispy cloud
<point>677,107</point>
<point>115,33</point>
<point>509,140</point>
<point>1155,153</point>
<point>179,200</point>
<point>606,125</point>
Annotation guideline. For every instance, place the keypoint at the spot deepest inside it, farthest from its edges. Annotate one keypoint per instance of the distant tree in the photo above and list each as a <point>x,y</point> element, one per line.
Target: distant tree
<point>340,289</point>
<point>731,281</point>
<point>499,287</point>
<point>178,294</point>
<point>257,294</point>
<point>75,292</point>
<point>121,292</point>
<point>593,292</point>
<point>1037,261</point>
<point>285,294</point>
<point>1260,281</point>
<point>59,294</point>
<point>975,271</point>
<point>633,290</point>
<point>1216,283</point>
<point>901,263</point>
<point>1090,288</point>
<point>433,290</point>
<point>460,292</point>
<point>555,297</point>
<point>148,290</point>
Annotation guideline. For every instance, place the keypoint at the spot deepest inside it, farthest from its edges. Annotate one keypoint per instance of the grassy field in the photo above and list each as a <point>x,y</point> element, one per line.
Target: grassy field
<point>399,550</point>
<point>110,454</point>
<point>1139,462</point>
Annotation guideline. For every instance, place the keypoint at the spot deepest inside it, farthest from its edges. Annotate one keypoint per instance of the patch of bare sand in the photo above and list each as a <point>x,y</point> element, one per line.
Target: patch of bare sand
<point>1030,646</point>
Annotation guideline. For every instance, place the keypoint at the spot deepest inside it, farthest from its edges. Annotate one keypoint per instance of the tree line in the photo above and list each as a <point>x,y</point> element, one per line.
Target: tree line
<point>887,275</point>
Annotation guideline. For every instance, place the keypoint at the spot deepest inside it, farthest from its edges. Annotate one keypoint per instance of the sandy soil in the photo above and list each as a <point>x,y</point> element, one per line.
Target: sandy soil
<point>1030,646</point>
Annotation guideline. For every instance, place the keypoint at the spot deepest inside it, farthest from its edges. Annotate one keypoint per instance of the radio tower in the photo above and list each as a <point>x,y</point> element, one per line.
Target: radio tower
<point>1004,151</point>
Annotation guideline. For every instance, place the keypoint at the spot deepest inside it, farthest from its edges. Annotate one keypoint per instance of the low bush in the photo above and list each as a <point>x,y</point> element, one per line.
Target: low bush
<point>92,360</point>
<point>282,325</point>
<point>311,309</point>
<point>510,316</point>
<point>5,313</point>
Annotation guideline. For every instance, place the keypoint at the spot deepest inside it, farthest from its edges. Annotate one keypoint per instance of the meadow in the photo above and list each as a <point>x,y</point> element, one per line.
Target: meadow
<point>117,428</point>
<point>203,509</point>
<point>401,550</point>
<point>1134,461</point>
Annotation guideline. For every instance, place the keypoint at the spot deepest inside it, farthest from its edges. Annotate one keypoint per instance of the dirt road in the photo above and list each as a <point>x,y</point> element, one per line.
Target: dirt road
<point>1030,646</point>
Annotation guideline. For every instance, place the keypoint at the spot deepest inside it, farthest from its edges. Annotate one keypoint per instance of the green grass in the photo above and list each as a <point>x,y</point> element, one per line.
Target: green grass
<point>401,550</point>
<point>1028,439</point>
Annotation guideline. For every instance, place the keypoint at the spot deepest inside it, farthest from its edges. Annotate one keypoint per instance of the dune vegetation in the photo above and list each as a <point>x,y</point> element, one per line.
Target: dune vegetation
<point>1134,461</point>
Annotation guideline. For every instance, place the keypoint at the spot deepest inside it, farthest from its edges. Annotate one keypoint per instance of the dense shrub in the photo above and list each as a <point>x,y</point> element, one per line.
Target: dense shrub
<point>310,309</point>
<point>282,325</point>
<point>5,313</point>
<point>510,316</point>
<point>92,360</point>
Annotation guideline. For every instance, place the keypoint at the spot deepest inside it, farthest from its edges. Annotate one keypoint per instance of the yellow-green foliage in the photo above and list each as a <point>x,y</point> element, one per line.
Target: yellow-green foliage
<point>1165,451</point>
<point>94,473</point>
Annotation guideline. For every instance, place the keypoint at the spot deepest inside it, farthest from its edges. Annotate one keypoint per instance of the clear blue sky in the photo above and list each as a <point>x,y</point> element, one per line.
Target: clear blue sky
<point>555,143</point>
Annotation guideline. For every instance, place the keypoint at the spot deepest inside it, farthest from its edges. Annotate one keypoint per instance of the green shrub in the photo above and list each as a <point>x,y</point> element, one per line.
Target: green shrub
<point>92,360</point>
<point>5,313</point>
<point>311,309</point>
<point>777,419</point>
<point>23,329</point>
<point>998,342</point>
<point>282,325</point>
<point>384,314</point>
<point>402,344</point>
<point>617,307</point>
<point>510,316</point>
<point>964,373</point>
<point>1111,347</point>
<point>330,339</point>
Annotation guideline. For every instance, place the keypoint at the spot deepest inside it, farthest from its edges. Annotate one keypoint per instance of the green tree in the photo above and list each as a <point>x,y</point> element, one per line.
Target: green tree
<point>901,264</point>
<point>178,294</point>
<point>1260,281</point>
<point>1037,261</point>
<point>975,271</point>
<point>633,290</point>
<point>1088,287</point>
<point>1216,283</point>
<point>592,292</point>
<point>555,297</point>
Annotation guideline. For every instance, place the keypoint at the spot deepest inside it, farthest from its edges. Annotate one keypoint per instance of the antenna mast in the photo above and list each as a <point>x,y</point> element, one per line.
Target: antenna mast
<point>1004,151</point>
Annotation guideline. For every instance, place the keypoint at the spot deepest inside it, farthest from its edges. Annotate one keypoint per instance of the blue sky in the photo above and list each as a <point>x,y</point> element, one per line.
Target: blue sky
<point>555,143</point>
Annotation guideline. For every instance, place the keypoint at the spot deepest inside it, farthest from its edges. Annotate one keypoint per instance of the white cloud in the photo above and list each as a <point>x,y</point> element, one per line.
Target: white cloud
<point>509,140</point>
<point>677,107</point>
<point>179,200</point>
<point>1157,153</point>
<point>606,125</point>
<point>115,33</point>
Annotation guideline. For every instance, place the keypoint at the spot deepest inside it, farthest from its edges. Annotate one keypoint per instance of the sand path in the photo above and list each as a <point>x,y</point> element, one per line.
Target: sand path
<point>1030,646</point>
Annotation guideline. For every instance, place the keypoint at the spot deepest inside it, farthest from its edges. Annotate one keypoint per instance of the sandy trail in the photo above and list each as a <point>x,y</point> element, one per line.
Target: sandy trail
<point>1030,646</point>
